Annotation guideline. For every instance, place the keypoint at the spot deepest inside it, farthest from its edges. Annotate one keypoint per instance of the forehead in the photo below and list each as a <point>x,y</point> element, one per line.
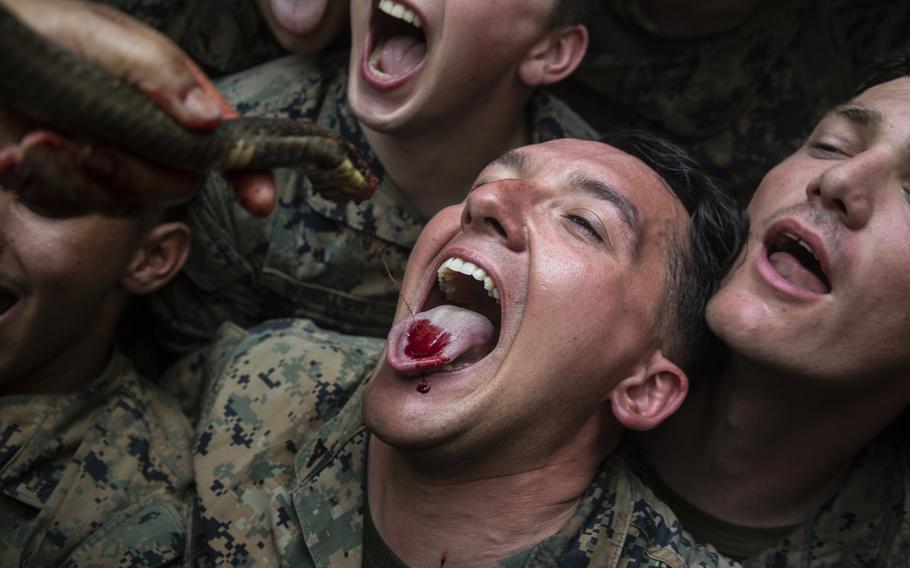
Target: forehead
<point>562,164</point>
<point>882,111</point>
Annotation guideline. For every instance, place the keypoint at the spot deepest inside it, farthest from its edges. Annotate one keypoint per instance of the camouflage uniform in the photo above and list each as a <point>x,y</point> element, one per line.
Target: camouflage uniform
<point>281,457</point>
<point>222,36</point>
<point>310,258</point>
<point>866,524</point>
<point>740,100</point>
<point>96,477</point>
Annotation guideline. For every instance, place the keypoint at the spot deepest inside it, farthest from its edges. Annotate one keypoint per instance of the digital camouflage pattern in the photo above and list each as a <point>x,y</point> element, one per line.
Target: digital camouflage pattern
<point>98,477</point>
<point>311,258</point>
<point>222,36</point>
<point>280,463</point>
<point>740,100</point>
<point>866,524</point>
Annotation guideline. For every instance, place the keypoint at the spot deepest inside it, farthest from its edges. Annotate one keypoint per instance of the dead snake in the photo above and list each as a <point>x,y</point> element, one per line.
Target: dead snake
<point>58,88</point>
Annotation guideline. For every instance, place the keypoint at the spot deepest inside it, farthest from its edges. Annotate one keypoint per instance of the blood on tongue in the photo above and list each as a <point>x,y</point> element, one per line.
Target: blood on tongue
<point>425,339</point>
<point>423,342</point>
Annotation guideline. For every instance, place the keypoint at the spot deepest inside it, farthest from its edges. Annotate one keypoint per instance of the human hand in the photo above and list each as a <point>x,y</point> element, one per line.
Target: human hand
<point>147,60</point>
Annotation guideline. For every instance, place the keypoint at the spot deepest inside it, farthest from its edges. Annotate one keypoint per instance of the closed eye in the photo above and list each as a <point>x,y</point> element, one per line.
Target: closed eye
<point>586,225</point>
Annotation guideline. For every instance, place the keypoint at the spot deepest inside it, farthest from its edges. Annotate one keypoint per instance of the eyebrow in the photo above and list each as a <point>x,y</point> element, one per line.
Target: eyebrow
<point>862,116</point>
<point>513,159</point>
<point>628,212</point>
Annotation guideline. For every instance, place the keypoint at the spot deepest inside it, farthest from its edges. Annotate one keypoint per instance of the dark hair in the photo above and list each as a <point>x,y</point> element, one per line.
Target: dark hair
<point>717,230</point>
<point>569,12</point>
<point>887,70</point>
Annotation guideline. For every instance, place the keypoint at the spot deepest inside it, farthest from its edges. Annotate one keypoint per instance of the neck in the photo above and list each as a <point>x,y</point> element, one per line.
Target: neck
<point>759,448</point>
<point>429,519</point>
<point>434,167</point>
<point>73,365</point>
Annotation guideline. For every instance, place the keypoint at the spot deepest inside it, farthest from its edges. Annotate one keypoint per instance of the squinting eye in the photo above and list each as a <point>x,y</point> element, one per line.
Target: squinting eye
<point>828,149</point>
<point>584,224</point>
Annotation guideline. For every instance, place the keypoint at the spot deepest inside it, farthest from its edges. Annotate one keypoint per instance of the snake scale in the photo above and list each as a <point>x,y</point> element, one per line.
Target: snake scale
<point>55,87</point>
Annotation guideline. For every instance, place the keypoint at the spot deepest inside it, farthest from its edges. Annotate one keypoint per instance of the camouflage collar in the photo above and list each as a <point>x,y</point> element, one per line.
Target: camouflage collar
<point>864,523</point>
<point>38,434</point>
<point>618,521</point>
<point>329,497</point>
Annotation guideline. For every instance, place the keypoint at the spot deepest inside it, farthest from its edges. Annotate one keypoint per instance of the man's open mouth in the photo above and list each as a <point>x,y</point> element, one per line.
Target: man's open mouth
<point>458,325</point>
<point>398,43</point>
<point>794,259</point>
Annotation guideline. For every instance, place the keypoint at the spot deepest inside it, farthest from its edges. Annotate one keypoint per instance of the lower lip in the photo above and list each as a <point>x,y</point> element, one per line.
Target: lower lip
<point>381,83</point>
<point>780,284</point>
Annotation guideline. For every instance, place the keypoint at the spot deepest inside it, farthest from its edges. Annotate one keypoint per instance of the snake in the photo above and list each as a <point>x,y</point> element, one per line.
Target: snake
<point>54,86</point>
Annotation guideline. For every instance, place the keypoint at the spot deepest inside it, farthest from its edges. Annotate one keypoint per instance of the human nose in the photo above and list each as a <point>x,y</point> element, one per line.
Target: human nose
<point>499,209</point>
<point>851,188</point>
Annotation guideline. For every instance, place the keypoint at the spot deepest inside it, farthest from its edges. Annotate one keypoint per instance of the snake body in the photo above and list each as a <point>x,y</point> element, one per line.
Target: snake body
<point>56,87</point>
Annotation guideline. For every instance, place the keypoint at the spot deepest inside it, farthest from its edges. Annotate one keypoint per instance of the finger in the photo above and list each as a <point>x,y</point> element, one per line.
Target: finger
<point>133,52</point>
<point>255,191</point>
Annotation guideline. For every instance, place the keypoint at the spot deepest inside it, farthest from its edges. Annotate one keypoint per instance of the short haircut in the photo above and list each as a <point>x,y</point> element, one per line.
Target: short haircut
<point>569,12</point>
<point>717,230</point>
<point>887,70</point>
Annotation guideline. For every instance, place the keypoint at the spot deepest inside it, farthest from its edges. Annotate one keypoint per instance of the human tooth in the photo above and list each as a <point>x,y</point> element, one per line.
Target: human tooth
<point>446,277</point>
<point>399,11</point>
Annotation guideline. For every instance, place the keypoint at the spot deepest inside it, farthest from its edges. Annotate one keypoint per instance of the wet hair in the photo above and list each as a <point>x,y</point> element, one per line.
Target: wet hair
<point>886,70</point>
<point>569,12</point>
<point>717,230</point>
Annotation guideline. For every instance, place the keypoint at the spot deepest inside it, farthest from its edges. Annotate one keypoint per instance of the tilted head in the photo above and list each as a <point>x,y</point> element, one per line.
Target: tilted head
<point>421,63</point>
<point>820,293</point>
<point>65,277</point>
<point>560,324</point>
<point>304,26</point>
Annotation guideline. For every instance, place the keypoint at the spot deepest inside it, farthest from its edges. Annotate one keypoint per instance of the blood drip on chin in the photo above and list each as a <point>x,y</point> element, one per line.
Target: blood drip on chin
<point>423,387</point>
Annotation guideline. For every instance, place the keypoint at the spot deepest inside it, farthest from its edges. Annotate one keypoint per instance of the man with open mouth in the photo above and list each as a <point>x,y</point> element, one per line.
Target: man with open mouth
<point>795,455</point>
<point>93,456</point>
<point>557,305</point>
<point>430,91</point>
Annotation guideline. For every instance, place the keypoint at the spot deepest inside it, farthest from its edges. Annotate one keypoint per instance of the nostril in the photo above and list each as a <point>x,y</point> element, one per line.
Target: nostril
<point>497,226</point>
<point>841,206</point>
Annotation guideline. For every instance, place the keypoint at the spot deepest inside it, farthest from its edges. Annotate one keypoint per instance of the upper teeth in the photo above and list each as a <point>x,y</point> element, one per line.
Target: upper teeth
<point>447,272</point>
<point>399,11</point>
<point>800,242</point>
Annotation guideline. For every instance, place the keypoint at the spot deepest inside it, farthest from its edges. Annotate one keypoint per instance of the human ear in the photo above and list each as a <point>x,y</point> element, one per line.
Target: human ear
<point>160,255</point>
<point>554,56</point>
<point>651,395</point>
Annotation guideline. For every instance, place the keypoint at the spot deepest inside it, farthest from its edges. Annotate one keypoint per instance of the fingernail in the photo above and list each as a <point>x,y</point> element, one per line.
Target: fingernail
<point>200,105</point>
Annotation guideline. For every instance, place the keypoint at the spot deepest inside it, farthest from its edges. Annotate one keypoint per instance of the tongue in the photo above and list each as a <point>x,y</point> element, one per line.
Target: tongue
<point>400,54</point>
<point>790,268</point>
<point>299,16</point>
<point>423,343</point>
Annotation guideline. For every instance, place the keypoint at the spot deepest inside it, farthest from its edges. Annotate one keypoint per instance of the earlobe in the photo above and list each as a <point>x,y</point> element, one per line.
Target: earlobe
<point>644,400</point>
<point>555,56</point>
<point>161,254</point>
